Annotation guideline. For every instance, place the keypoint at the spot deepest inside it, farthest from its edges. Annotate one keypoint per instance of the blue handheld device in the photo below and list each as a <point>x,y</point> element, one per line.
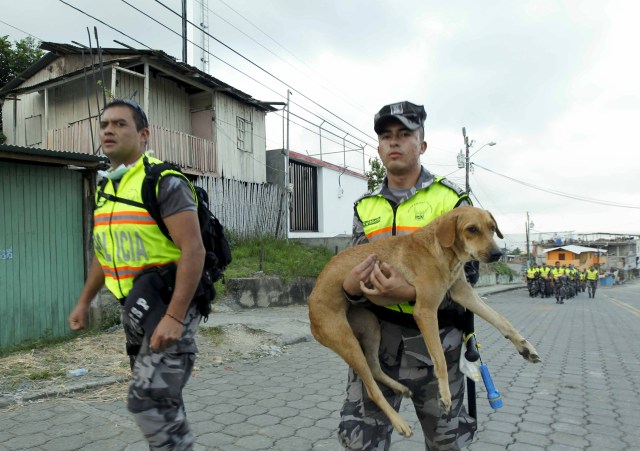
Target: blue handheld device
<point>495,400</point>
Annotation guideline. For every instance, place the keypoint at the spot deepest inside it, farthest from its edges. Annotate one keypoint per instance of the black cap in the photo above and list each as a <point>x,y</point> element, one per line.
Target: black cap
<point>412,116</point>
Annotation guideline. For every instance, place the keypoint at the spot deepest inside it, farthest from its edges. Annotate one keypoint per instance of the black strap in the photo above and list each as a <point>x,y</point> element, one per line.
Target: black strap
<point>153,174</point>
<point>446,318</point>
<point>113,198</point>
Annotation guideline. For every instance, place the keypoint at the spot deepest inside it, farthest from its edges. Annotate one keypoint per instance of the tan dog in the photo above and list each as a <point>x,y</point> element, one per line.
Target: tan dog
<point>432,260</point>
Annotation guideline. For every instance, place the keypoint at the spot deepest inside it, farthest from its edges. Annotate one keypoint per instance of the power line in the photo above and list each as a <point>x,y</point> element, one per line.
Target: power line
<point>267,72</point>
<point>22,31</point>
<point>311,72</point>
<point>104,23</point>
<point>211,54</point>
<point>173,31</point>
<point>231,66</point>
<point>560,193</point>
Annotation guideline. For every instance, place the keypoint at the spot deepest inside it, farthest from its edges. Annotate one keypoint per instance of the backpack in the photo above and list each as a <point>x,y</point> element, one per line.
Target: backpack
<point>218,251</point>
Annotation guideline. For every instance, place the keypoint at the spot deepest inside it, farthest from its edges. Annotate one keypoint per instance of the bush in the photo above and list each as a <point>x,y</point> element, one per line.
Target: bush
<point>501,268</point>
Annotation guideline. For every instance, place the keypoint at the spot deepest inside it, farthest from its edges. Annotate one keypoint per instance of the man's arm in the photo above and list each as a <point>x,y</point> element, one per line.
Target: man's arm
<point>185,232</point>
<point>77,320</point>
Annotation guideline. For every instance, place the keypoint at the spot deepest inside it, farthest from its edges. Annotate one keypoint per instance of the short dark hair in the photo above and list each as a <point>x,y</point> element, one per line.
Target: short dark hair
<point>139,116</point>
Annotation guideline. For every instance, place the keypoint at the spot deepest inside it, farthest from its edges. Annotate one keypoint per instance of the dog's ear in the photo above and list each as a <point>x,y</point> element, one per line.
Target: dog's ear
<point>446,230</point>
<point>498,232</point>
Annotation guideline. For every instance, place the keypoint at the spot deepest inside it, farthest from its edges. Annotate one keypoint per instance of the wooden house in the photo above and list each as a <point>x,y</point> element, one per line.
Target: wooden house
<point>202,124</point>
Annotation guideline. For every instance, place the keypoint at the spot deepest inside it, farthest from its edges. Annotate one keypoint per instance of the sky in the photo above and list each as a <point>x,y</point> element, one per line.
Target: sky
<point>555,84</point>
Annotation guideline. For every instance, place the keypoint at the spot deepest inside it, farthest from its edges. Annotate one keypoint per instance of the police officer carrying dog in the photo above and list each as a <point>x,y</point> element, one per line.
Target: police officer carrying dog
<point>135,260</point>
<point>410,197</point>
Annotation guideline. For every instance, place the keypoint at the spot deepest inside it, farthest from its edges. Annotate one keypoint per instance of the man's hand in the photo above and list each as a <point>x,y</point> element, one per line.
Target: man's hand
<point>167,332</point>
<point>77,320</point>
<point>359,274</point>
<point>386,282</point>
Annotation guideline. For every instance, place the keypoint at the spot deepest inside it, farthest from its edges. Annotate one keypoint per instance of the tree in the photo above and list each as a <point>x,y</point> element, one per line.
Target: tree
<point>14,61</point>
<point>376,174</point>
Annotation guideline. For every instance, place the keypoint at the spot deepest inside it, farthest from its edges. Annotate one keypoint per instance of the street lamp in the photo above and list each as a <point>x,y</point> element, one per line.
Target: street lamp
<point>468,144</point>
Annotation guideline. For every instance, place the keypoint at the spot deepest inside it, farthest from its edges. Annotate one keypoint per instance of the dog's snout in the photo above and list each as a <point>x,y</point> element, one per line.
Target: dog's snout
<point>495,255</point>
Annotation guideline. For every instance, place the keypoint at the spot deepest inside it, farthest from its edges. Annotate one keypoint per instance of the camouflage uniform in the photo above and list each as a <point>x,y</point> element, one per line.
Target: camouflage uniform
<point>403,356</point>
<point>155,393</point>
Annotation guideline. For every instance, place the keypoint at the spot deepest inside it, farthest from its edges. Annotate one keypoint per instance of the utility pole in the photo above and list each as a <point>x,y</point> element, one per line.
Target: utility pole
<point>184,31</point>
<point>528,226</point>
<point>466,161</point>
<point>287,184</point>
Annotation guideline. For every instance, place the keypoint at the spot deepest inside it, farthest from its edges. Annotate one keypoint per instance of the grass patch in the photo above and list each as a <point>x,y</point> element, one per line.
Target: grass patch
<point>214,334</point>
<point>44,375</point>
<point>286,259</point>
<point>98,352</point>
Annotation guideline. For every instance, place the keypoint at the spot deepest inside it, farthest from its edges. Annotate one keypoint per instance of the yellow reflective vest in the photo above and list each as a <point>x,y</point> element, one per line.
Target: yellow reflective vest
<point>380,218</point>
<point>531,273</point>
<point>544,272</point>
<point>126,238</point>
<point>557,272</point>
<point>592,274</point>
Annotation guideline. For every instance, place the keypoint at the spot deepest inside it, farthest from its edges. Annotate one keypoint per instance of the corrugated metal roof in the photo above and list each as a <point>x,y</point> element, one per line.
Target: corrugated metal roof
<point>34,154</point>
<point>57,50</point>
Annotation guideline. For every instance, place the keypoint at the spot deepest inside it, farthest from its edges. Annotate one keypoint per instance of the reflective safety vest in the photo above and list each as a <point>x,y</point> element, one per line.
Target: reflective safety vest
<point>380,218</point>
<point>572,273</point>
<point>557,272</point>
<point>126,238</point>
<point>592,274</point>
<point>583,275</point>
<point>544,272</point>
<point>531,273</point>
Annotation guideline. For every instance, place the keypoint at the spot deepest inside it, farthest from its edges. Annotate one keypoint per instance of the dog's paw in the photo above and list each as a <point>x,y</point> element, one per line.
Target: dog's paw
<point>445,405</point>
<point>529,352</point>
<point>401,425</point>
<point>405,392</point>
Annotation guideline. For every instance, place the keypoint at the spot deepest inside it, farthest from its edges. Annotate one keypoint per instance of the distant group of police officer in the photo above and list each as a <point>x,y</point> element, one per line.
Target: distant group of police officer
<point>561,281</point>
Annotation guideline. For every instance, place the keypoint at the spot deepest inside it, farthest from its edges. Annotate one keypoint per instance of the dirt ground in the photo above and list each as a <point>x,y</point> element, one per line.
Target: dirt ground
<point>43,372</point>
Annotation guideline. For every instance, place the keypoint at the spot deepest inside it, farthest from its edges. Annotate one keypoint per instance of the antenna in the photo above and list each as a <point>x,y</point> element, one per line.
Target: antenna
<point>204,41</point>
<point>86,94</point>
<point>93,75</point>
<point>104,95</point>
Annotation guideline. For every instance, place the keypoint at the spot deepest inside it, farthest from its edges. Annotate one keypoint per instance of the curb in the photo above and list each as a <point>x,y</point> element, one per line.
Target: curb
<point>503,289</point>
<point>8,401</point>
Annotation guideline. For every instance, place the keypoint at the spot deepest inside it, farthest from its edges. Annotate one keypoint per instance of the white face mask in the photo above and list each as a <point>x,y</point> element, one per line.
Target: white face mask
<point>117,173</point>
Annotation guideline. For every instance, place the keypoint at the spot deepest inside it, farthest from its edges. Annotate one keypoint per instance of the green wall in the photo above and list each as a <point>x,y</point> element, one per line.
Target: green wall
<point>41,256</point>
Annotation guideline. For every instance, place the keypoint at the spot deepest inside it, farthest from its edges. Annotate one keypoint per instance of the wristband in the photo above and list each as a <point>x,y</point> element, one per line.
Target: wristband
<point>352,298</point>
<point>174,318</point>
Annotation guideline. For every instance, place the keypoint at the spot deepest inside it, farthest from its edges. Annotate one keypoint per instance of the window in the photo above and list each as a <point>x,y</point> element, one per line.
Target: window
<point>244,133</point>
<point>304,200</point>
<point>561,257</point>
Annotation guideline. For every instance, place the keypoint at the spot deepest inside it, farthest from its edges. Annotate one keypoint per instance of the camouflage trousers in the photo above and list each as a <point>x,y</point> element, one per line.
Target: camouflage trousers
<point>155,392</point>
<point>403,356</point>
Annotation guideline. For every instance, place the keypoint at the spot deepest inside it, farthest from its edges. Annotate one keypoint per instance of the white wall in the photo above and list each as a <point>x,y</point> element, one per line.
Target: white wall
<point>336,195</point>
